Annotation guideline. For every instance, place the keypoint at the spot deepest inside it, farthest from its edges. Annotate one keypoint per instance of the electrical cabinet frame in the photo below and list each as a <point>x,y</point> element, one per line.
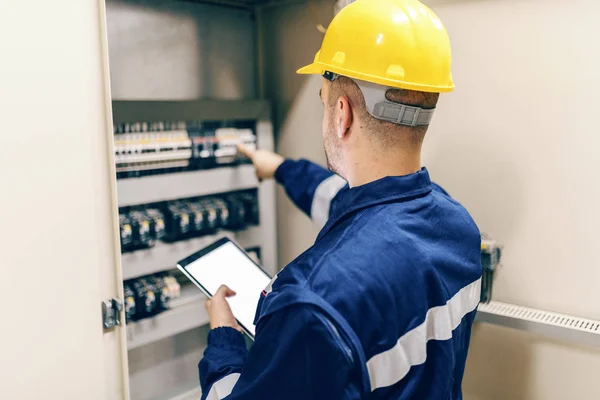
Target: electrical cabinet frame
<point>187,312</point>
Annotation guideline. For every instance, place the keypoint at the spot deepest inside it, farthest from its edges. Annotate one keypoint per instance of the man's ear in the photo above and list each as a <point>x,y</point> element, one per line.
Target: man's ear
<point>344,117</point>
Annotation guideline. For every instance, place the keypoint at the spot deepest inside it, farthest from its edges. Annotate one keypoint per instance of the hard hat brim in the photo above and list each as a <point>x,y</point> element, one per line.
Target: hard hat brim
<point>317,68</point>
<point>310,69</point>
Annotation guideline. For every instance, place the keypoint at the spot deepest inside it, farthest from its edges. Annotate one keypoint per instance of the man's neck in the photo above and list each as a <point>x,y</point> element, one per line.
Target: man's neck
<point>366,168</point>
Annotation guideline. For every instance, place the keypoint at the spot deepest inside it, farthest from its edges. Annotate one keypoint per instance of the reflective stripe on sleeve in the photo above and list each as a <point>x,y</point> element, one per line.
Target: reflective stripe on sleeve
<point>390,366</point>
<point>223,387</point>
<point>325,192</point>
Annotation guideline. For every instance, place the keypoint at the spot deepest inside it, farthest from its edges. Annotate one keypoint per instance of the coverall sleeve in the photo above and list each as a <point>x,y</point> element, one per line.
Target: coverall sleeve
<point>311,187</point>
<point>298,355</point>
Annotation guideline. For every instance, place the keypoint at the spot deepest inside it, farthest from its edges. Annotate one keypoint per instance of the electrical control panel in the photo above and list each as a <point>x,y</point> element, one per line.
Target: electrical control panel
<point>181,185</point>
<point>142,226</point>
<point>145,148</point>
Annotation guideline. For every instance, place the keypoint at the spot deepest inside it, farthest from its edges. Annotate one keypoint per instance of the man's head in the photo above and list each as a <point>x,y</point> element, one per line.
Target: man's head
<point>351,133</point>
<point>369,46</point>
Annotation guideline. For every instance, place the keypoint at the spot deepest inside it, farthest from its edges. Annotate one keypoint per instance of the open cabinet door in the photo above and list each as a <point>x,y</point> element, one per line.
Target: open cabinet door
<point>58,214</point>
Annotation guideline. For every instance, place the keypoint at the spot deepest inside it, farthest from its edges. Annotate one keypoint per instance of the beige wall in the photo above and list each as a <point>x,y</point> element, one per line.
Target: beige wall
<point>513,144</point>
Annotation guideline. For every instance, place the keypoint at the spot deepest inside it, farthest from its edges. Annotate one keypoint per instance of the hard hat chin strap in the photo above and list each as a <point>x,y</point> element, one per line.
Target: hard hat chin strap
<point>381,108</point>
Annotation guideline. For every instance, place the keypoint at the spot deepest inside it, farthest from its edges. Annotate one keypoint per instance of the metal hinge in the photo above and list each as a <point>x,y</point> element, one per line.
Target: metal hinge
<point>111,313</point>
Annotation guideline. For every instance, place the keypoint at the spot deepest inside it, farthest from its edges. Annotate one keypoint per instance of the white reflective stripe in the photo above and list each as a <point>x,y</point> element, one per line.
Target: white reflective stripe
<point>325,192</point>
<point>223,387</point>
<point>269,287</point>
<point>389,367</point>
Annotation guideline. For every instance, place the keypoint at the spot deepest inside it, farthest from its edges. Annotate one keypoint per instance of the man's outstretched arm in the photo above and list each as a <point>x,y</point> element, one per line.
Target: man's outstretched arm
<point>311,187</point>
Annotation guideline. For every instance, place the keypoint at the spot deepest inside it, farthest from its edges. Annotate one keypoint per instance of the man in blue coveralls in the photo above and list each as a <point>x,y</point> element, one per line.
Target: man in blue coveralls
<point>381,306</point>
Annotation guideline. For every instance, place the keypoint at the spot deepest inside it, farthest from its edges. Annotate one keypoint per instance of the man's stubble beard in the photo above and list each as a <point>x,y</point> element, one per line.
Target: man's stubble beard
<point>331,152</point>
<point>330,165</point>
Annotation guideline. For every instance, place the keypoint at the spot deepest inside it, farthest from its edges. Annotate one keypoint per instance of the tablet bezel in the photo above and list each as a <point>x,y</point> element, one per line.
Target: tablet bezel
<point>181,265</point>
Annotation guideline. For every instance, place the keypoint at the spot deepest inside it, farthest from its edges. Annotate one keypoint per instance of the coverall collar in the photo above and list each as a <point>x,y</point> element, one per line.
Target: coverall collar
<point>387,189</point>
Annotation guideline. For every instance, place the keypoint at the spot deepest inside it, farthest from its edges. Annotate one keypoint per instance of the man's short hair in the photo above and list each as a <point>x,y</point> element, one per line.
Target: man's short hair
<point>386,133</point>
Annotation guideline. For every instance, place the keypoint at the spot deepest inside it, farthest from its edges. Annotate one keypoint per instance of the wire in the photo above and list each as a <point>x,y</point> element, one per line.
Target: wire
<point>311,13</point>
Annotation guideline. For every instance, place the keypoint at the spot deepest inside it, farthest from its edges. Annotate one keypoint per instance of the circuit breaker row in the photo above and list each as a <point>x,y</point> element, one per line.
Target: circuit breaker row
<point>143,148</point>
<point>150,295</point>
<point>143,226</point>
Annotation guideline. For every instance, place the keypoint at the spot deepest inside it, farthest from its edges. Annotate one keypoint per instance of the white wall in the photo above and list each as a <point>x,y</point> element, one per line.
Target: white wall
<point>516,144</point>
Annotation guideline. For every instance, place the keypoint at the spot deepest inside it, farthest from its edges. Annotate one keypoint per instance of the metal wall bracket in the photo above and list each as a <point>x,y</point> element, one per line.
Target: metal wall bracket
<point>111,313</point>
<point>583,331</point>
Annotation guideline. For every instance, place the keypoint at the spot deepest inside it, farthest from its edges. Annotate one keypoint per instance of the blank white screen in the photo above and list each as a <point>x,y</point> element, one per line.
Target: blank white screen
<point>228,265</point>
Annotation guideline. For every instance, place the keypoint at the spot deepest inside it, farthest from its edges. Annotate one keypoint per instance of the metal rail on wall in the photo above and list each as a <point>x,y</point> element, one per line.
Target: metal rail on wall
<point>565,327</point>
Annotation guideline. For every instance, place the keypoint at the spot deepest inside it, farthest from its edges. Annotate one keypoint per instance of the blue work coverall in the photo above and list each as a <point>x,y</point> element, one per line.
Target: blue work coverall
<point>380,307</point>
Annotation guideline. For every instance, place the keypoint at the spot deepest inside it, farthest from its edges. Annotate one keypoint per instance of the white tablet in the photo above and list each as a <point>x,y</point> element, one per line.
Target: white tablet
<point>226,263</point>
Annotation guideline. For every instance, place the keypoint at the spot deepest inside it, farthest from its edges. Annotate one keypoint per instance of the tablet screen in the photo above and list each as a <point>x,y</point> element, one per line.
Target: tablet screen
<point>224,263</point>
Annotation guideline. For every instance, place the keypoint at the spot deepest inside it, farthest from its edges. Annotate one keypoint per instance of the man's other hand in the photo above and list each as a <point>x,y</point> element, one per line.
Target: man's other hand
<point>266,162</point>
<point>219,313</point>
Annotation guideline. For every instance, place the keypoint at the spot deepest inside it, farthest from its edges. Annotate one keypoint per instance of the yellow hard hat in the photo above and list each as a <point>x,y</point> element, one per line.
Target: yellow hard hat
<point>394,43</point>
